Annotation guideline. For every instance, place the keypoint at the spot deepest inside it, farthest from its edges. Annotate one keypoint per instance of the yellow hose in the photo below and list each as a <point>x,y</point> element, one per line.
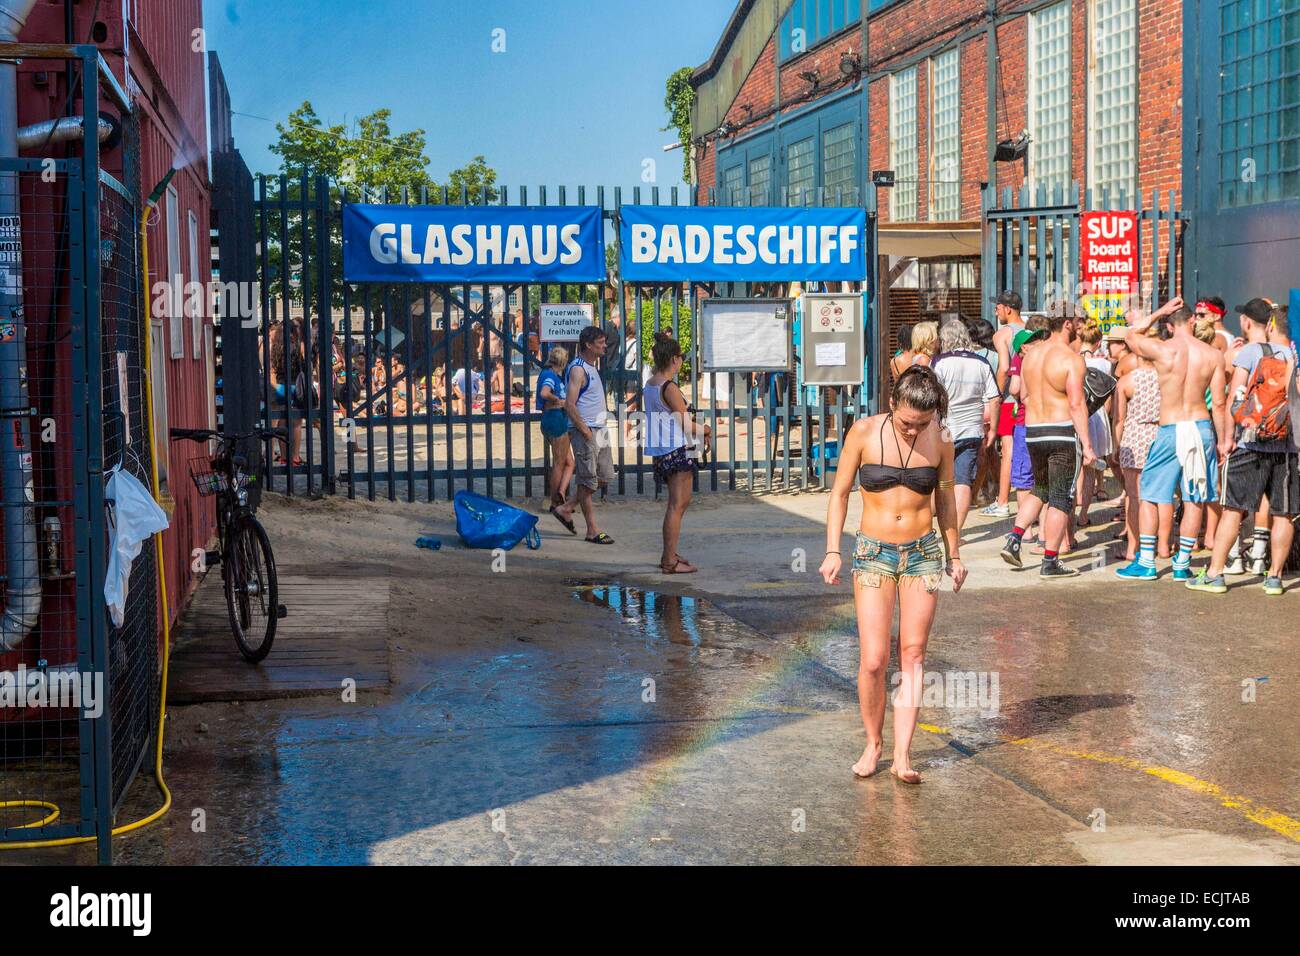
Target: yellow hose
<point>162,586</point>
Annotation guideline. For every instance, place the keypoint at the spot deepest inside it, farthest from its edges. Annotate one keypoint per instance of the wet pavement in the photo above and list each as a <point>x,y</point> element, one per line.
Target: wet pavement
<point>576,709</point>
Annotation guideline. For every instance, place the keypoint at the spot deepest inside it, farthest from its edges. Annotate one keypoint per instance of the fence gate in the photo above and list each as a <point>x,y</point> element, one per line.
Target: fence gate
<point>80,337</point>
<point>414,391</point>
<point>1031,243</point>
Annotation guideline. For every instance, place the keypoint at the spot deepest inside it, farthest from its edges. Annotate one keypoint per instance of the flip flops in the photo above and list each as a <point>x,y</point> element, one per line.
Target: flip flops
<point>676,565</point>
<point>601,538</point>
<point>567,522</point>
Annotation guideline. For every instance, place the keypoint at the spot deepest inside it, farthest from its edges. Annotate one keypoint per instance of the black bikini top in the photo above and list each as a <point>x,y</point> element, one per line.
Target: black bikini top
<point>878,478</point>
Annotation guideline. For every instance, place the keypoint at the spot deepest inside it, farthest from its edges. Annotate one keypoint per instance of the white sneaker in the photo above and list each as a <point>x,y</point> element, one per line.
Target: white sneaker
<point>1235,566</point>
<point>1259,566</point>
<point>996,510</point>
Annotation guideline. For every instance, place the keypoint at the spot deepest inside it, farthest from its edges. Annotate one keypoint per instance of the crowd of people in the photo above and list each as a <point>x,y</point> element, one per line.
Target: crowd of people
<point>1191,420</point>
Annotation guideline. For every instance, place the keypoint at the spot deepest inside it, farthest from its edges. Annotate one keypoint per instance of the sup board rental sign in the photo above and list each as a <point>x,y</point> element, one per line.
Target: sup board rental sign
<point>1109,262</point>
<point>472,244</point>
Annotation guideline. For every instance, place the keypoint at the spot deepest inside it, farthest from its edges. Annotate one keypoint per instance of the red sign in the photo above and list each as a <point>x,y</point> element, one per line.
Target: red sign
<point>1110,253</point>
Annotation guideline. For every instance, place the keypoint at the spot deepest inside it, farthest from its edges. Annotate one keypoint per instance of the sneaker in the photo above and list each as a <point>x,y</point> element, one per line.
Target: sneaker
<point>1259,566</point>
<point>1137,571</point>
<point>1210,585</point>
<point>996,510</point>
<point>1235,566</point>
<point>1182,574</point>
<point>1273,586</point>
<point>1053,568</point>
<point>1011,552</point>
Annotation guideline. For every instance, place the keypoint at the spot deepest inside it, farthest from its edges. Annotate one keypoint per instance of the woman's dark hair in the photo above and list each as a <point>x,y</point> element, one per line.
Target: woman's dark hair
<point>919,388</point>
<point>665,349</point>
<point>905,337</point>
<point>981,331</point>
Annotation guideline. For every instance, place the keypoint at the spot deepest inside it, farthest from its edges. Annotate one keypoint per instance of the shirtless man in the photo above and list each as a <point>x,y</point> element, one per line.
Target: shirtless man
<point>1184,454</point>
<point>1056,433</point>
<point>1006,308</point>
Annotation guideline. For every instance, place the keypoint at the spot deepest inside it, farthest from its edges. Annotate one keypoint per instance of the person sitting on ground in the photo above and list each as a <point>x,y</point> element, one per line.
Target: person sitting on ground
<point>671,439</point>
<point>1183,457</point>
<point>973,401</point>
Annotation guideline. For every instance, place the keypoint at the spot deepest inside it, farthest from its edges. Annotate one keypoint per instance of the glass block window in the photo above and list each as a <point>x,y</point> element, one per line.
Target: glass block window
<point>1112,123</point>
<point>945,137</point>
<point>1259,102</point>
<point>808,22</point>
<point>902,145</point>
<point>1049,96</point>
<point>839,167</point>
<point>801,174</point>
<point>732,188</point>
<point>760,181</point>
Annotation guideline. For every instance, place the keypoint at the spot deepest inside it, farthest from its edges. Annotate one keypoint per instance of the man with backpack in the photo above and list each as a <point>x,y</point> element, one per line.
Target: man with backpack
<point>1262,450</point>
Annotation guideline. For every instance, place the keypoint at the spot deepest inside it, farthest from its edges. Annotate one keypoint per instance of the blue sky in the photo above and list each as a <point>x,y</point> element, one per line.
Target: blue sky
<point>577,96</point>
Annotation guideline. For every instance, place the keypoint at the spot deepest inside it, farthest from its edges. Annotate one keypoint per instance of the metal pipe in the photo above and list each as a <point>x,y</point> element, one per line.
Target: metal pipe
<point>63,130</point>
<point>22,565</point>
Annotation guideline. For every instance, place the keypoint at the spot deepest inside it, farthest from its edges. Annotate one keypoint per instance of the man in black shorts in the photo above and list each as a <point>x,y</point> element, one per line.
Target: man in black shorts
<point>1056,435</point>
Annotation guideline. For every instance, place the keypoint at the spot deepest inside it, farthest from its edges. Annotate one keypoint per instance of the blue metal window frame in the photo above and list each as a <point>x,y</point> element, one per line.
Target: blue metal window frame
<point>773,139</point>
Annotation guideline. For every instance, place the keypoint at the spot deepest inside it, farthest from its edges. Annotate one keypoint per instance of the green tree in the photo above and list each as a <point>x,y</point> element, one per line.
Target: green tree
<point>475,180</point>
<point>679,97</point>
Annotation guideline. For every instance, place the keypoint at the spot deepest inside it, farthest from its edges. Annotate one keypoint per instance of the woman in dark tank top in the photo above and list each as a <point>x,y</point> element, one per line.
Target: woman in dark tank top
<point>903,462</point>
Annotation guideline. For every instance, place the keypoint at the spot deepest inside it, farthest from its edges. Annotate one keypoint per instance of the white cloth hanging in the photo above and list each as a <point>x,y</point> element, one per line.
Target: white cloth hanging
<point>134,519</point>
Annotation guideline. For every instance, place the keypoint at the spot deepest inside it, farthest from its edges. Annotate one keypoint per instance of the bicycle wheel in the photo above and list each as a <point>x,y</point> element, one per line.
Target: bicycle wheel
<point>252,592</point>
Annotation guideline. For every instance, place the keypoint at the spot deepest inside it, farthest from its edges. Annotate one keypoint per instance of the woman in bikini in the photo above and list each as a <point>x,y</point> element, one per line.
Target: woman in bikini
<point>903,461</point>
<point>903,358</point>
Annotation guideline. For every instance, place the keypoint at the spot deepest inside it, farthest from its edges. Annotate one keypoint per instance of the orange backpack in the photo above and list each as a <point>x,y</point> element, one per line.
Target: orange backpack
<point>1265,413</point>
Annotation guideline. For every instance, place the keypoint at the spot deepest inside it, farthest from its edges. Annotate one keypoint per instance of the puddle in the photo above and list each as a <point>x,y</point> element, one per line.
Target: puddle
<point>664,617</point>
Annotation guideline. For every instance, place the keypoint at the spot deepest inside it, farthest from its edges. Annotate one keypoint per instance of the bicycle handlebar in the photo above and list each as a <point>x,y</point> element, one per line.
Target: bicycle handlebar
<point>204,434</point>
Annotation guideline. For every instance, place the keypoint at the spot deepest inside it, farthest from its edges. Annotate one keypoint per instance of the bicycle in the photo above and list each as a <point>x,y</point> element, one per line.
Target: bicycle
<point>244,551</point>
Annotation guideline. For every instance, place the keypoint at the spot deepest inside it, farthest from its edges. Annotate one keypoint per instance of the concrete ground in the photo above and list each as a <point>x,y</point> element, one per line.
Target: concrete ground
<point>575,706</point>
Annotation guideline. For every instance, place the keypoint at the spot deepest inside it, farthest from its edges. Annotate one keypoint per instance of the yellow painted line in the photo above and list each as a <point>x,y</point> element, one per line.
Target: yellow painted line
<point>1274,820</point>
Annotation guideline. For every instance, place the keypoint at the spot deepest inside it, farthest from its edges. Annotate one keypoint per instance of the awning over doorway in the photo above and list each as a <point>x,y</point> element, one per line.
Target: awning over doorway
<point>927,240</point>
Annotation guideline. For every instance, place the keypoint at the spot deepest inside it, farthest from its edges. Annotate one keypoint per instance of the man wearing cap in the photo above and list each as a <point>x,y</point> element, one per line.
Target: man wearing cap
<point>1022,470</point>
<point>1056,432</point>
<point>1257,468</point>
<point>1183,456</point>
<point>1006,309</point>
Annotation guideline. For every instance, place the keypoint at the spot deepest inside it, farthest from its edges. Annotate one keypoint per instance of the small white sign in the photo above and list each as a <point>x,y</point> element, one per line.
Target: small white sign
<point>564,321</point>
<point>830,354</point>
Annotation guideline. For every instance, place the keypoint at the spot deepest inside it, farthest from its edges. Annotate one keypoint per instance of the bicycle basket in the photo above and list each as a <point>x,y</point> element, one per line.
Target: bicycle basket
<point>208,480</point>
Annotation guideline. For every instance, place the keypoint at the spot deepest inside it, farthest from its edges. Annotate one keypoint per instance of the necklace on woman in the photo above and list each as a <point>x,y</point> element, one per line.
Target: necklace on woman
<point>898,444</point>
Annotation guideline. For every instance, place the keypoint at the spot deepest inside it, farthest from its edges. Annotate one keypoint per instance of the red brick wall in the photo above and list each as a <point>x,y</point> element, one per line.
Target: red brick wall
<point>902,32</point>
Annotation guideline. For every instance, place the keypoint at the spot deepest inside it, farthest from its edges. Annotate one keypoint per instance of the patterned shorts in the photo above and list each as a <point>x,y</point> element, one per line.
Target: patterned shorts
<point>680,459</point>
<point>922,560</point>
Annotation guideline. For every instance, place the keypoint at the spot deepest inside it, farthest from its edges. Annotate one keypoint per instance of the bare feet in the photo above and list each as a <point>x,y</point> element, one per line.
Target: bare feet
<point>866,764</point>
<point>903,772</point>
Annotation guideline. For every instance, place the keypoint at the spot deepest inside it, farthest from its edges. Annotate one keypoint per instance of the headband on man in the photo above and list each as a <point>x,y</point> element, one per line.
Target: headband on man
<point>1210,307</point>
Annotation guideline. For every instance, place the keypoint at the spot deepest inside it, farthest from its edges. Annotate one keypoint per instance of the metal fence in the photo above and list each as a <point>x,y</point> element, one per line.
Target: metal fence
<point>363,375</point>
<point>76,299</point>
<point>1032,245</point>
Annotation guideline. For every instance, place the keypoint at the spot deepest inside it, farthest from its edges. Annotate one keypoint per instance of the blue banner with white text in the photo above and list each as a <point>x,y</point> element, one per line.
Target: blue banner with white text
<point>472,244</point>
<point>742,244</point>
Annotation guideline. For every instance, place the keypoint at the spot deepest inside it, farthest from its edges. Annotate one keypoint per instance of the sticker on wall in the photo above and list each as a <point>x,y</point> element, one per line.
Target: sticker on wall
<point>8,331</point>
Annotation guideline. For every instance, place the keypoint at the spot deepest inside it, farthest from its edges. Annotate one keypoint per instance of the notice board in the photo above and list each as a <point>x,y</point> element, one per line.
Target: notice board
<point>832,337</point>
<point>746,335</point>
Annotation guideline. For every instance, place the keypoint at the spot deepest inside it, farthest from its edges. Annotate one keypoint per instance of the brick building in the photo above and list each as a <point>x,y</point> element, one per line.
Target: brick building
<point>790,110</point>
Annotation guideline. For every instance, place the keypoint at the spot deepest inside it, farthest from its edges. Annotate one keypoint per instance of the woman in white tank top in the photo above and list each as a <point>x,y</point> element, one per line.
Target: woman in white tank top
<point>670,438</point>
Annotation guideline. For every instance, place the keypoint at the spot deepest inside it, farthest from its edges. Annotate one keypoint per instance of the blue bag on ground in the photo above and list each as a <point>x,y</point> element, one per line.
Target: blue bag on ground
<point>484,522</point>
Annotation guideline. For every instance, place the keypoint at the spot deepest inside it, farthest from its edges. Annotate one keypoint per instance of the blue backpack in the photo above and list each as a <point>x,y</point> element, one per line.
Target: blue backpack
<point>484,522</point>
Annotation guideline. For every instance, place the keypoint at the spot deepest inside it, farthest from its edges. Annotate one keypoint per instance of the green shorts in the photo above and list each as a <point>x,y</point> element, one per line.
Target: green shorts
<point>920,560</point>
